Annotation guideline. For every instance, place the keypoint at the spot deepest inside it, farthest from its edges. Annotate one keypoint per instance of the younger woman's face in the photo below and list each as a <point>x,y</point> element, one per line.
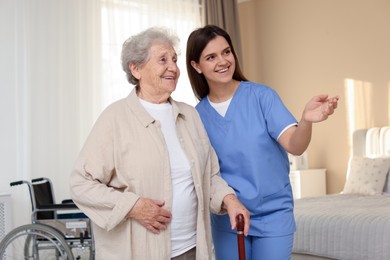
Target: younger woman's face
<point>216,62</point>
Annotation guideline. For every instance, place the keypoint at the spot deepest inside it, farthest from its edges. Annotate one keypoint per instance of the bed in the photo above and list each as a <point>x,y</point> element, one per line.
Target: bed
<point>354,224</point>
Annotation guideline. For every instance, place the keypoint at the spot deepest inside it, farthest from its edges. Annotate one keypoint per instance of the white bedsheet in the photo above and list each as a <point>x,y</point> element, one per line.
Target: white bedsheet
<point>343,227</point>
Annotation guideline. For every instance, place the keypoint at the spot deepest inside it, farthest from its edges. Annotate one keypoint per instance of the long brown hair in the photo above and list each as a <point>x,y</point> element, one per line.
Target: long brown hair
<point>196,43</point>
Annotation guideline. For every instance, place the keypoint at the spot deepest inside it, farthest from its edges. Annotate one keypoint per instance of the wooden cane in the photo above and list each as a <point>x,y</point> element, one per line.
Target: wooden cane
<point>240,236</point>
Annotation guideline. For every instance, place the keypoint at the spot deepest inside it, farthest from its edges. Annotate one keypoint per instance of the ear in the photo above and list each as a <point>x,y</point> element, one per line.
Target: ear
<point>135,71</point>
<point>196,67</point>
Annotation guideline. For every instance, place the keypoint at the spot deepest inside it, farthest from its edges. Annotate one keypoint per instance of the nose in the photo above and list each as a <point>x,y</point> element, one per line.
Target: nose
<point>172,66</point>
<point>222,60</point>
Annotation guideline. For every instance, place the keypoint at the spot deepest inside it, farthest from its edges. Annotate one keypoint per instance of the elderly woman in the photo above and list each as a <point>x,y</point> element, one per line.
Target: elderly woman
<point>147,175</point>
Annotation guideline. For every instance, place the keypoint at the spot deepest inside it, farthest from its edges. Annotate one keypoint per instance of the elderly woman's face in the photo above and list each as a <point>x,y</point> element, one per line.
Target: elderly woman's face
<point>159,75</point>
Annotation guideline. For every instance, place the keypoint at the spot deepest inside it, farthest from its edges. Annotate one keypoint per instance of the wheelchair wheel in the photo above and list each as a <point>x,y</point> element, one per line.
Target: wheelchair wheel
<point>82,251</point>
<point>35,242</point>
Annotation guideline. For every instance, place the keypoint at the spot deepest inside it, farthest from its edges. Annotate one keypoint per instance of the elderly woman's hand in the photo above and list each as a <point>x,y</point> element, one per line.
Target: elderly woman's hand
<point>151,214</point>
<point>234,208</point>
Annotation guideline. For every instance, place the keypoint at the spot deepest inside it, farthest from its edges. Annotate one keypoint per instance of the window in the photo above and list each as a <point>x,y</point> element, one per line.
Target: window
<point>359,101</point>
<point>123,18</point>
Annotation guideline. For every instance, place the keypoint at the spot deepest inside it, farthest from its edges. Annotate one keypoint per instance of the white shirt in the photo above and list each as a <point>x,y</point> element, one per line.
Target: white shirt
<point>184,206</point>
<point>221,107</point>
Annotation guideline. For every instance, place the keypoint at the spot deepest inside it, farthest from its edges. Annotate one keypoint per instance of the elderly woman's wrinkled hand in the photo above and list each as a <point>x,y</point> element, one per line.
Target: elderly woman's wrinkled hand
<point>151,214</point>
<point>234,208</point>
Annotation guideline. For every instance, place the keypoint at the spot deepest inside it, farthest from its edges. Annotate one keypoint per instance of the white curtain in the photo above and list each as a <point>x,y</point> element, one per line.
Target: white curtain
<point>122,18</point>
<point>60,67</point>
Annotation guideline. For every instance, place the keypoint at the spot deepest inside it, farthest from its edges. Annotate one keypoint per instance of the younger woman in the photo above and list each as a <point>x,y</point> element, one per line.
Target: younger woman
<point>251,130</point>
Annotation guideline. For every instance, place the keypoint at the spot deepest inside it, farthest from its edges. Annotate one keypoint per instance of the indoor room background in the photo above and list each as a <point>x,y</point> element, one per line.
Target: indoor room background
<point>51,93</point>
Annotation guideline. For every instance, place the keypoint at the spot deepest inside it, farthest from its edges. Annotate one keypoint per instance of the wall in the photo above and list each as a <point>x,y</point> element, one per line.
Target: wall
<point>13,127</point>
<point>303,48</point>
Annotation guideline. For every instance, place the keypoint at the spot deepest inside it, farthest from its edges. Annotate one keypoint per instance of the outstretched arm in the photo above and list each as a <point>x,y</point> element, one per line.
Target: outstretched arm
<point>295,140</point>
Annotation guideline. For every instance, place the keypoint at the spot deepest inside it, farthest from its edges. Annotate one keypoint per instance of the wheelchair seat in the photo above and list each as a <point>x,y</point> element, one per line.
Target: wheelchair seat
<point>57,231</point>
<point>73,224</point>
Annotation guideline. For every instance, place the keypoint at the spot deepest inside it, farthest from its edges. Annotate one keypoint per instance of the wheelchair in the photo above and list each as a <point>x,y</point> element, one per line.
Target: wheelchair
<point>57,231</point>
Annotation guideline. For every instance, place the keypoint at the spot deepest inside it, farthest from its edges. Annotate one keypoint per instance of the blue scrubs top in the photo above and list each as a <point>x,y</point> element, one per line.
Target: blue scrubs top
<point>251,160</point>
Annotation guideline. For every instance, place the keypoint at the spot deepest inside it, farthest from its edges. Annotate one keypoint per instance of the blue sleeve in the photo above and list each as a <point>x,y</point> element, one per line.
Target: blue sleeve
<point>276,114</point>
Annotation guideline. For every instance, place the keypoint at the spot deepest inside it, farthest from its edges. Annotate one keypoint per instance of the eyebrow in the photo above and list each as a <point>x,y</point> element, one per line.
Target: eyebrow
<point>213,53</point>
<point>167,53</point>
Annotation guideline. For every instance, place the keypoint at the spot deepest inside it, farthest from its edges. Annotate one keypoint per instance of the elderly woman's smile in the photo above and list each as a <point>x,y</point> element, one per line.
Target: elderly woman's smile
<point>159,75</point>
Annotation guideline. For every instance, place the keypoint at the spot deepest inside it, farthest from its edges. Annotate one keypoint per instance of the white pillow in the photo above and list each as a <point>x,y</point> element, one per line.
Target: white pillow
<point>366,175</point>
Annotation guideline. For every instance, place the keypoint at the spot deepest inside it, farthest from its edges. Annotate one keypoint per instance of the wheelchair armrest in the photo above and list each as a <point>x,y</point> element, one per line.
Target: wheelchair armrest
<point>57,207</point>
<point>67,201</point>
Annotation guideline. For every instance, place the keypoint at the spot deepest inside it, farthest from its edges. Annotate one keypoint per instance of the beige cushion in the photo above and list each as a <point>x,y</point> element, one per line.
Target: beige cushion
<point>366,176</point>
